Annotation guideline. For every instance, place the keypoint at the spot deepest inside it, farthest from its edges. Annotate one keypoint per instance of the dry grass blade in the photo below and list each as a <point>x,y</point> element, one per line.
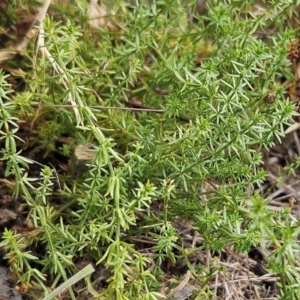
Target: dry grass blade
<point>182,284</point>
<point>81,274</point>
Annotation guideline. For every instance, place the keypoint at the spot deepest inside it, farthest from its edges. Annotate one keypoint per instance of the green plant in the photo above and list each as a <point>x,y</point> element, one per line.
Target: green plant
<point>215,122</point>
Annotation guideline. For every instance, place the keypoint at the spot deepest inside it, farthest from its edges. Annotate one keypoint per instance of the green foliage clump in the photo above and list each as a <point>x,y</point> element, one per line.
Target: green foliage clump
<point>204,80</point>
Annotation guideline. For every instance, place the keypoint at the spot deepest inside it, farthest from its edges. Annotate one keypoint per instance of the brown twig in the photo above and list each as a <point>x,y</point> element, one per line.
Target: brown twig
<point>134,107</point>
<point>148,108</point>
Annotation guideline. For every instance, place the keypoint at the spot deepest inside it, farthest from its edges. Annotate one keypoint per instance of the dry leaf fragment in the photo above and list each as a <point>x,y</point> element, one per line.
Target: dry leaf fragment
<point>99,16</point>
